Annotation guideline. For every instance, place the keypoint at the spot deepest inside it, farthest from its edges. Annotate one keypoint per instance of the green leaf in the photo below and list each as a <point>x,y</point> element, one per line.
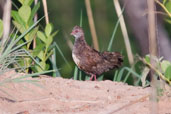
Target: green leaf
<point>12,43</point>
<point>48,29</point>
<point>49,41</point>
<point>32,33</point>
<point>53,35</point>
<point>20,27</point>
<point>164,65</point>
<point>26,2</point>
<point>33,12</point>
<point>41,55</point>
<point>41,36</point>
<point>168,6</point>
<point>38,48</point>
<point>21,1</point>
<point>49,54</point>
<point>47,66</point>
<point>43,65</point>
<point>25,12</point>
<point>168,73</point>
<point>147,59</point>
<point>17,18</point>
<point>1,28</point>
<point>164,1</point>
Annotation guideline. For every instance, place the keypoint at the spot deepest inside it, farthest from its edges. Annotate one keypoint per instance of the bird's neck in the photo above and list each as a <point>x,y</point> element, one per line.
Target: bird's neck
<point>80,42</point>
<point>79,45</point>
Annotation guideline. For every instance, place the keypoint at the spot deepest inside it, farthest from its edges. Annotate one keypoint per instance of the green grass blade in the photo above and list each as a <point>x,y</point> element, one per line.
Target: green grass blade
<point>57,47</point>
<point>32,58</point>
<point>12,44</point>
<point>80,75</point>
<point>113,36</point>
<point>19,46</point>
<point>81,18</point>
<point>100,78</point>
<point>133,72</point>
<point>115,75</point>
<point>120,74</point>
<point>114,32</point>
<point>75,73</point>
<point>119,77</point>
<point>53,62</point>
<point>126,77</point>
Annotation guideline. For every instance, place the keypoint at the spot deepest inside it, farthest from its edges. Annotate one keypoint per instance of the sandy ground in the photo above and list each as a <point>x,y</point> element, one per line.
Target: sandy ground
<point>67,96</point>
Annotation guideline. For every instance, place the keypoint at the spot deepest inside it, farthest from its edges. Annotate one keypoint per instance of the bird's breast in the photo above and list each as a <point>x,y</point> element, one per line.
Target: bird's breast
<point>76,59</point>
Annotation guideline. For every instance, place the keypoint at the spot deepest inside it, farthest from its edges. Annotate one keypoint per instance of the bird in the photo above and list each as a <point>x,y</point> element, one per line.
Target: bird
<point>91,61</point>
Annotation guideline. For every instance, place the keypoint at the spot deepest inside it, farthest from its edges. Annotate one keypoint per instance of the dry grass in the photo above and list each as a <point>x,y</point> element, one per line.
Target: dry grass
<point>91,24</point>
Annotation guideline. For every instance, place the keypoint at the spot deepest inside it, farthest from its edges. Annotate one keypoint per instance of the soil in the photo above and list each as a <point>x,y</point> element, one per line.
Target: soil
<point>67,96</point>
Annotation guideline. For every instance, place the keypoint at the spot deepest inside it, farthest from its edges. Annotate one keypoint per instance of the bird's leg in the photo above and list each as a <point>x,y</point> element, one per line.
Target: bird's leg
<point>93,76</point>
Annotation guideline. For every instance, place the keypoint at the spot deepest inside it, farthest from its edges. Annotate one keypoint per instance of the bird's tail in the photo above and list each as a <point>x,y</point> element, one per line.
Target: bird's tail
<point>115,58</point>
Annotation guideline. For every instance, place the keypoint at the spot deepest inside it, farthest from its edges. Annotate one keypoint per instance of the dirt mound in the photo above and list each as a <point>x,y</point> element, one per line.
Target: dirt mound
<point>67,96</point>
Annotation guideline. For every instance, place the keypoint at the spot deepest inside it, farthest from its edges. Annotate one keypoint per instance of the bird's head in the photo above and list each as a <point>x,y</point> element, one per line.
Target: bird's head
<point>77,32</point>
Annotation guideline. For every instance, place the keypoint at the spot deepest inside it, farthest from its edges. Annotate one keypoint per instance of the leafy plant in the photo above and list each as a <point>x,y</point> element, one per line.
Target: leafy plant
<point>163,69</point>
<point>23,19</point>
<point>12,54</point>
<point>39,42</point>
<point>43,51</point>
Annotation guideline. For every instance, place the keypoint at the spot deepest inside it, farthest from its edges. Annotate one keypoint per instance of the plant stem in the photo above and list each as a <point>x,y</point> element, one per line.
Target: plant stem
<point>45,11</point>
<point>91,24</point>
<point>124,31</point>
<point>153,52</point>
<point>6,22</point>
<point>35,19</point>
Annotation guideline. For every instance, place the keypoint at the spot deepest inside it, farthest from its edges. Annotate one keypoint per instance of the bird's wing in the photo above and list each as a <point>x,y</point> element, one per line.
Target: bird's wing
<point>91,59</point>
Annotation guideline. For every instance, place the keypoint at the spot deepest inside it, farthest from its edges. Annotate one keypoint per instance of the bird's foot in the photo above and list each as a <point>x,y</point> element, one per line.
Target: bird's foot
<point>93,76</point>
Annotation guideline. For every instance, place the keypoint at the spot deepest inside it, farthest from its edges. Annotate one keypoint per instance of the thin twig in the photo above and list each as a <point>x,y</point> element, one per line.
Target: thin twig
<point>91,23</point>
<point>124,31</point>
<point>45,11</point>
<point>156,12</point>
<point>165,9</point>
<point>35,19</point>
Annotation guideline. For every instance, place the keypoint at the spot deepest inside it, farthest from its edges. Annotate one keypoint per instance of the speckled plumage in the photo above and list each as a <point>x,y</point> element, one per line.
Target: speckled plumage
<point>91,61</point>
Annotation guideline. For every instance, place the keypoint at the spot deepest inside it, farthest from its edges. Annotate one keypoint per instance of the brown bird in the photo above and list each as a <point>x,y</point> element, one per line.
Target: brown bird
<point>91,61</point>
